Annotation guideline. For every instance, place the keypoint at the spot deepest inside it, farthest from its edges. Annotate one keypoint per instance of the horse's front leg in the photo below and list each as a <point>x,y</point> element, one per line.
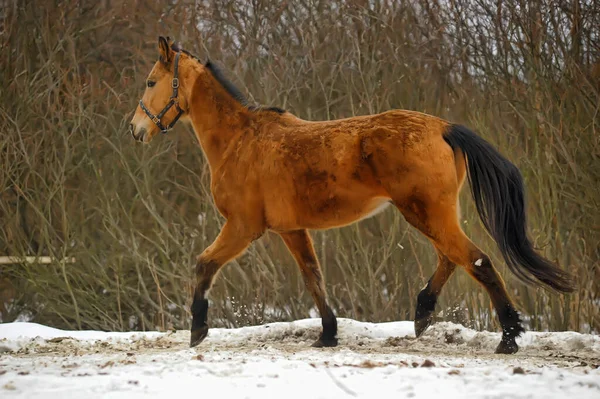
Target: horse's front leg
<point>230,243</point>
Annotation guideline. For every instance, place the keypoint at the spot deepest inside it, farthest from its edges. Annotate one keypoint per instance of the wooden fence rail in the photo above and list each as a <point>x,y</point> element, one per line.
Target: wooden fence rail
<point>11,260</point>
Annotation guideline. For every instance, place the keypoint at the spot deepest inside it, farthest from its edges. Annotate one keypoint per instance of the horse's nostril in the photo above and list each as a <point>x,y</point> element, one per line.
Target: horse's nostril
<point>141,134</point>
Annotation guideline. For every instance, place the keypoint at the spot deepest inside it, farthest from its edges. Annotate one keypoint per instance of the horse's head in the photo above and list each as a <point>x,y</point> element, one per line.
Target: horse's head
<point>160,107</point>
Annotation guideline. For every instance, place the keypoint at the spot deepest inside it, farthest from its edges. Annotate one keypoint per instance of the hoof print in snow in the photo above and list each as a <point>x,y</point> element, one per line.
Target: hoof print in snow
<point>9,386</point>
<point>109,363</point>
<point>518,370</point>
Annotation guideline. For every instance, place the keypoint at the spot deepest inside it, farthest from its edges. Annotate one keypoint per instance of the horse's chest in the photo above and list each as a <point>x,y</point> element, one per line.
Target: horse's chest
<point>234,192</point>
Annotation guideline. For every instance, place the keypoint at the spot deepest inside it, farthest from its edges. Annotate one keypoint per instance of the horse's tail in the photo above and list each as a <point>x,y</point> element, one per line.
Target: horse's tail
<point>497,188</point>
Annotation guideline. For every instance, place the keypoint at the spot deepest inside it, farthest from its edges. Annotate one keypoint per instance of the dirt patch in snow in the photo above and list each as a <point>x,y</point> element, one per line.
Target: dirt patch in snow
<point>439,341</point>
<point>277,360</point>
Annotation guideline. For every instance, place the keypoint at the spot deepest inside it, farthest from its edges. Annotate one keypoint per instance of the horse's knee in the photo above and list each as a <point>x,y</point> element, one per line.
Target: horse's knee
<point>205,267</point>
<point>205,271</point>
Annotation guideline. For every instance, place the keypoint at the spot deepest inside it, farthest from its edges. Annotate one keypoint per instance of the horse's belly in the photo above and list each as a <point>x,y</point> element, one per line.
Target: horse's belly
<point>340,211</point>
<point>376,206</point>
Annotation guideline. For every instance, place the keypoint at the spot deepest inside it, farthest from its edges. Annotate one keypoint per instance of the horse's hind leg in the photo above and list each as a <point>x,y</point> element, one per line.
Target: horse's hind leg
<point>300,245</point>
<point>484,272</point>
<point>428,296</point>
<point>435,216</point>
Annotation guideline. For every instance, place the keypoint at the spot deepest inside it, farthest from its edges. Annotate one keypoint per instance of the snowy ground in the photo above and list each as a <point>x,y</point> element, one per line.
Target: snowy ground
<point>275,361</point>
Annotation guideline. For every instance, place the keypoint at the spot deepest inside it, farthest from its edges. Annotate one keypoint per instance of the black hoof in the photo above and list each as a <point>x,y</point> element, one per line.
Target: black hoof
<point>422,324</point>
<point>325,343</point>
<point>507,347</point>
<point>198,336</point>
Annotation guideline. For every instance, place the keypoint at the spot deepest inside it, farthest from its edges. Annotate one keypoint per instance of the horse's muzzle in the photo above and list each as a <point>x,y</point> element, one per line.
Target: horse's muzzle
<point>140,133</point>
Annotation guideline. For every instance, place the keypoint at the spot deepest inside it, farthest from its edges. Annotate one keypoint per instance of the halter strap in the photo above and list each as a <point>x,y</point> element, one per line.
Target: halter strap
<point>173,100</point>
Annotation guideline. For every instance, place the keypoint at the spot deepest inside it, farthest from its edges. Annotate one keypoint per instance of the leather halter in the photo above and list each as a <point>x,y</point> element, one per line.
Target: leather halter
<point>172,101</point>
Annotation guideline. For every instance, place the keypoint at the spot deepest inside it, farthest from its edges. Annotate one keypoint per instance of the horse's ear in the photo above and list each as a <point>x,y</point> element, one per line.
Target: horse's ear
<point>166,54</point>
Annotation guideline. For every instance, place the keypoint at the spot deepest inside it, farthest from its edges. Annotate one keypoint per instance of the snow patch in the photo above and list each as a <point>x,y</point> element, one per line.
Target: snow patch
<point>275,360</point>
<point>13,336</point>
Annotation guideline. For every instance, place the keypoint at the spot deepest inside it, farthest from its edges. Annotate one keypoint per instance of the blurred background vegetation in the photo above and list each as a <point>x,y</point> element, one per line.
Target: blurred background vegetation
<point>73,183</point>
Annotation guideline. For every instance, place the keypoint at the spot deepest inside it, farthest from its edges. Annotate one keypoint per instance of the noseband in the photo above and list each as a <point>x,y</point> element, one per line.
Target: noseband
<point>172,101</point>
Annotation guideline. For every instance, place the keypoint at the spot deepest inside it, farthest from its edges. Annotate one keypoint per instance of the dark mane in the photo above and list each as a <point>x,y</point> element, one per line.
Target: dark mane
<point>227,84</point>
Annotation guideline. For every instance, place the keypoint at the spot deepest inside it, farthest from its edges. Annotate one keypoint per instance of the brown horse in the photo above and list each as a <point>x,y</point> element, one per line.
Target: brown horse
<point>273,171</point>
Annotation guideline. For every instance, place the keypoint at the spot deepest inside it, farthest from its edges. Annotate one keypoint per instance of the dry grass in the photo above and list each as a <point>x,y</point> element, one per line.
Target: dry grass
<point>74,184</point>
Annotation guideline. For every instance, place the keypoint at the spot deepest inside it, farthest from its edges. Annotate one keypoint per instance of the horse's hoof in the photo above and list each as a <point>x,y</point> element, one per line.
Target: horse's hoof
<point>198,336</point>
<point>325,343</point>
<point>507,347</point>
<point>422,324</point>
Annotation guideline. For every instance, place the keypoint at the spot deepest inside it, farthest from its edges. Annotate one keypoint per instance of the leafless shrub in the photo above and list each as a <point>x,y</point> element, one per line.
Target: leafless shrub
<point>526,75</point>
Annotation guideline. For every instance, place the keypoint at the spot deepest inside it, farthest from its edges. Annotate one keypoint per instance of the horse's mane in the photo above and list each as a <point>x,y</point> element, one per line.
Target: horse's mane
<point>226,83</point>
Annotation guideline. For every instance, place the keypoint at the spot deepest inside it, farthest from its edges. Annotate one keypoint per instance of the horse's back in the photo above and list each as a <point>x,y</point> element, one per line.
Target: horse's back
<point>326,174</point>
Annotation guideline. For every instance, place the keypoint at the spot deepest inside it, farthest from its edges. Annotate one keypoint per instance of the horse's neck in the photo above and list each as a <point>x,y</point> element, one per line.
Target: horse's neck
<point>218,120</point>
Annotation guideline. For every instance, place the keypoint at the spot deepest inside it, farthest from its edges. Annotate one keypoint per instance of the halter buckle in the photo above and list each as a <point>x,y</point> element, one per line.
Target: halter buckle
<point>175,83</point>
<point>155,120</point>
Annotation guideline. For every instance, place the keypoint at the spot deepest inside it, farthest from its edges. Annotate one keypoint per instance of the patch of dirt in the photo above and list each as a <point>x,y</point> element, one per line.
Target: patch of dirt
<point>447,345</point>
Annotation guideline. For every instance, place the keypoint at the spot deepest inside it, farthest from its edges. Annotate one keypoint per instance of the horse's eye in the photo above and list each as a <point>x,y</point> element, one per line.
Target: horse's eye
<point>150,83</point>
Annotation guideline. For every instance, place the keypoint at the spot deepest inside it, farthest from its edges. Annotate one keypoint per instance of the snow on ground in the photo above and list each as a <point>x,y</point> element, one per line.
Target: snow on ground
<point>276,360</point>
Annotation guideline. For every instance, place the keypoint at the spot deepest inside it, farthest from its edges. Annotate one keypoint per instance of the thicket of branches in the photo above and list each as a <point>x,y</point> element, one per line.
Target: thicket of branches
<point>73,183</point>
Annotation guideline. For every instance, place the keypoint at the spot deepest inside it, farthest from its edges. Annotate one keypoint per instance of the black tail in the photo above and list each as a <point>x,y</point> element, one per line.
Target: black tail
<point>497,187</point>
